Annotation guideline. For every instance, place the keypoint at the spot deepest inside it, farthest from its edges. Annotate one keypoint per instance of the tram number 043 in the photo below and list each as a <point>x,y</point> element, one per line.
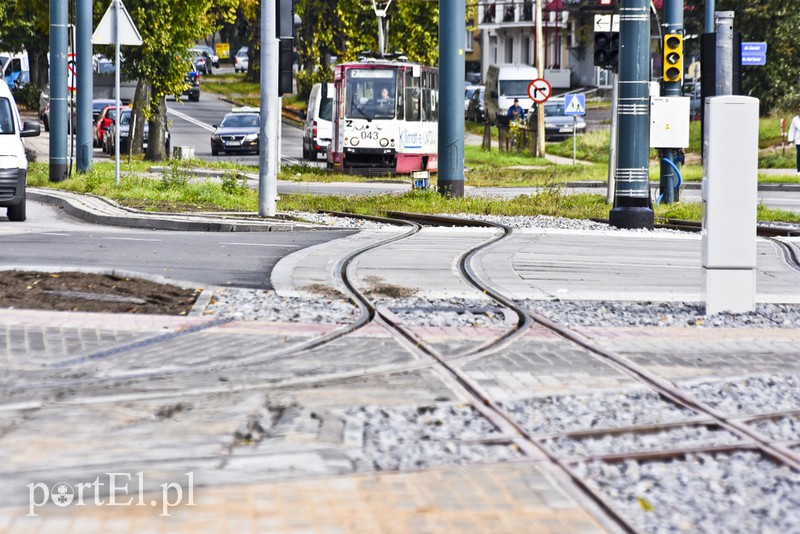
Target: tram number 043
<point>369,135</point>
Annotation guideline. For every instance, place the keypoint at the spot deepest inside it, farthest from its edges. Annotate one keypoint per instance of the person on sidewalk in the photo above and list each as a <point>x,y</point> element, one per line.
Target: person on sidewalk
<point>516,112</point>
<point>794,135</point>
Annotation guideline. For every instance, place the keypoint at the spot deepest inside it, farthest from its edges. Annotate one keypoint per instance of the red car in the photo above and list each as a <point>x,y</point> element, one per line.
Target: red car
<point>108,114</point>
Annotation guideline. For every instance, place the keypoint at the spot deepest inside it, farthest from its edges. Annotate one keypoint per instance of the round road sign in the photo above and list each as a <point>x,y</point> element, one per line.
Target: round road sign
<point>539,90</point>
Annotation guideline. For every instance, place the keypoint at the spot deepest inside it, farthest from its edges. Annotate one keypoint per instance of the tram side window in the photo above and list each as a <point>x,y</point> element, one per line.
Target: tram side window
<point>412,100</point>
<point>429,92</point>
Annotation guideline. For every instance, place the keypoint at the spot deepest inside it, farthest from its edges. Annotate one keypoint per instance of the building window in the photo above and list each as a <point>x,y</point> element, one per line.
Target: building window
<point>526,51</point>
<point>488,13</point>
<point>508,13</point>
<point>493,48</point>
<point>468,37</point>
<point>509,50</point>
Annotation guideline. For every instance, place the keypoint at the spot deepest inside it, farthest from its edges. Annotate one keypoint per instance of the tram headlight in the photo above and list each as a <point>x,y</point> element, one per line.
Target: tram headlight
<point>354,141</point>
<point>384,142</point>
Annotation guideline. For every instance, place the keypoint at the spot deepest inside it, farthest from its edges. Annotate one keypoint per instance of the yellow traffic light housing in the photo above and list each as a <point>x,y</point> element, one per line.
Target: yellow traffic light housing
<point>673,57</point>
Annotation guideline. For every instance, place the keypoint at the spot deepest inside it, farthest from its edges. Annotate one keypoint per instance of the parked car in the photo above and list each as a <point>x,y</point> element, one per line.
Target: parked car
<point>104,120</point>
<point>211,54</point>
<point>201,60</point>
<point>125,118</point>
<point>13,164</point>
<point>240,60</point>
<point>475,108</point>
<point>318,128</point>
<point>192,85</point>
<point>238,132</point>
<point>468,91</point>
<point>98,105</point>
<point>556,124</point>
<point>44,109</point>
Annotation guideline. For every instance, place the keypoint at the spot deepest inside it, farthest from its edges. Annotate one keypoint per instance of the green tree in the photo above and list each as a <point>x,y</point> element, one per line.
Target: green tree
<point>776,84</point>
<point>168,28</point>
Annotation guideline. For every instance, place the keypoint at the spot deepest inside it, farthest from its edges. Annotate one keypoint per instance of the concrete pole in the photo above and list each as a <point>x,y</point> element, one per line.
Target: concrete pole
<point>724,70</point>
<point>673,23</point>
<point>58,89</point>
<point>270,113</point>
<point>540,149</point>
<point>452,34</point>
<point>85,80</point>
<point>632,207</point>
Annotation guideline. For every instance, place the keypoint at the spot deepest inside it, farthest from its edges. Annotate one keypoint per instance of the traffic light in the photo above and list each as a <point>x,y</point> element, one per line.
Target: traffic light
<point>673,57</point>
<point>606,49</point>
<point>285,32</point>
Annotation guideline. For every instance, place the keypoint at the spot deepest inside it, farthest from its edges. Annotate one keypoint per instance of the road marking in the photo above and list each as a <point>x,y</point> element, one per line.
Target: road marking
<point>132,239</point>
<point>261,245</point>
<point>187,118</point>
<point>56,234</point>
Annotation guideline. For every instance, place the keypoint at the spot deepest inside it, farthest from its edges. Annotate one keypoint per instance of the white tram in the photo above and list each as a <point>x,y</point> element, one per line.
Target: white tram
<point>385,118</point>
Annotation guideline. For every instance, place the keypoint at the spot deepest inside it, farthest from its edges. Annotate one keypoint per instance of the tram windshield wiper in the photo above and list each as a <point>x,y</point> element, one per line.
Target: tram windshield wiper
<point>355,106</point>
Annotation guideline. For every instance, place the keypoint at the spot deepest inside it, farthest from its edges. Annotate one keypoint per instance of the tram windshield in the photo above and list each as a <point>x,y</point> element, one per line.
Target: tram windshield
<point>371,94</point>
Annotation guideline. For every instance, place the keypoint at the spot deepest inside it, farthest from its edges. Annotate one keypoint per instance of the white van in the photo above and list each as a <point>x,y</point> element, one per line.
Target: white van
<point>13,164</point>
<point>13,65</point>
<point>318,128</point>
<point>504,83</point>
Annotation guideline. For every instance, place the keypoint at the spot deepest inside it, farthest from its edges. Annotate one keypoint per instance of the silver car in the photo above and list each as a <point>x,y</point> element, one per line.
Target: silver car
<point>556,124</point>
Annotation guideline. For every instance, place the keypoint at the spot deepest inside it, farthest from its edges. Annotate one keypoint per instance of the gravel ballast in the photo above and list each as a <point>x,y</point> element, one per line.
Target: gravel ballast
<point>426,436</point>
<point>740,492</point>
<point>264,305</point>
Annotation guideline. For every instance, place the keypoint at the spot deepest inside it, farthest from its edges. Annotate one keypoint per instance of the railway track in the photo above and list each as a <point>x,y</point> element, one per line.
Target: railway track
<point>740,431</point>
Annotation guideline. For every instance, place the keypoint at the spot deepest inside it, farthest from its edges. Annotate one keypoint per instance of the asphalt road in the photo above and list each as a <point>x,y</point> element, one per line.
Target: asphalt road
<point>50,238</point>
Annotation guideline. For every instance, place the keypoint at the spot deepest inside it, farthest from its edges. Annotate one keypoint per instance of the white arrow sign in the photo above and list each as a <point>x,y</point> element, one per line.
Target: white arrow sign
<point>128,34</point>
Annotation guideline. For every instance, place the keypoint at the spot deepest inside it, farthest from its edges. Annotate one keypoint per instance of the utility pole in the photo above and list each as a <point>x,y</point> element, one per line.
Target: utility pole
<point>58,90</point>
<point>724,62</point>
<point>673,25</point>
<point>452,36</point>
<point>85,75</point>
<point>632,206</point>
<point>270,113</point>
<point>539,72</point>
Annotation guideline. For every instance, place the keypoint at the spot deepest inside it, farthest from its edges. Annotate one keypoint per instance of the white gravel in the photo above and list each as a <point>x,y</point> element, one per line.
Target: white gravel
<point>446,312</point>
<point>749,395</point>
<point>264,305</point>
<point>353,223</point>
<point>732,493</point>
<point>695,436</point>
<point>633,314</point>
<point>425,436</point>
<point>779,428</point>
<point>573,413</point>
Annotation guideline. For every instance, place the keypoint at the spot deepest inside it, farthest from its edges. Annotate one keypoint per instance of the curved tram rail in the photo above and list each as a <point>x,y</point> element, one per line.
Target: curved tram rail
<point>449,368</point>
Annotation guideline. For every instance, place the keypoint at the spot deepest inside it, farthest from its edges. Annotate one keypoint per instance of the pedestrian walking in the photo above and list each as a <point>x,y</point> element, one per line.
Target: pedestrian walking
<point>794,135</point>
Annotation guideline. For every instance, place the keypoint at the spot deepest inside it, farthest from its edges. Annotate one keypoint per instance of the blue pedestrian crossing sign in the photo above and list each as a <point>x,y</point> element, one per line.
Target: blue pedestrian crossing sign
<point>575,105</point>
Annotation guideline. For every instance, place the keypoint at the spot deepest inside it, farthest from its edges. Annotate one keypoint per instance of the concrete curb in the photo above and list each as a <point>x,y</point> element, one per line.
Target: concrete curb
<point>100,210</point>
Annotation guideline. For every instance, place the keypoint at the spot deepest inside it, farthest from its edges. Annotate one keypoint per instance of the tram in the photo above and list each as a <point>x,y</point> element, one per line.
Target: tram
<point>385,118</point>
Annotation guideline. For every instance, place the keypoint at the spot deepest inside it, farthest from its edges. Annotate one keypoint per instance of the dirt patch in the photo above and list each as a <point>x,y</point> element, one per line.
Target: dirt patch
<point>88,292</point>
<point>379,288</point>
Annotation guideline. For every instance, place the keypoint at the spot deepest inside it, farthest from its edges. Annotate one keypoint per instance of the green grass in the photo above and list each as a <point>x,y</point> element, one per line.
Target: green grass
<point>176,191</point>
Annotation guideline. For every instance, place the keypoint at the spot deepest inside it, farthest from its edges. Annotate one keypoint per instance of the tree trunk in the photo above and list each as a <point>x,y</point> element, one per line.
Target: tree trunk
<point>39,68</point>
<point>141,101</point>
<point>156,149</point>
<point>254,51</point>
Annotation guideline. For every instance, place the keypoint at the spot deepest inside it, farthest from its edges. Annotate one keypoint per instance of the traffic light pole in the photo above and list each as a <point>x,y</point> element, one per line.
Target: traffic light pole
<point>451,97</point>
<point>673,24</point>
<point>632,207</point>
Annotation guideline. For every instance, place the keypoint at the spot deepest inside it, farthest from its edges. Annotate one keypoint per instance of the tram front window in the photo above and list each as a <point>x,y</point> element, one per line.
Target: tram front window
<point>371,94</point>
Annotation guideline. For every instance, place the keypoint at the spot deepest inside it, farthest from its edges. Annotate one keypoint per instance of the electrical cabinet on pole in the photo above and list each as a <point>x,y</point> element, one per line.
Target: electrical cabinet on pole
<point>672,87</point>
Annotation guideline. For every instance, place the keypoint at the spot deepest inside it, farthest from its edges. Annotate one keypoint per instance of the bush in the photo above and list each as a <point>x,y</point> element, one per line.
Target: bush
<point>27,95</point>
